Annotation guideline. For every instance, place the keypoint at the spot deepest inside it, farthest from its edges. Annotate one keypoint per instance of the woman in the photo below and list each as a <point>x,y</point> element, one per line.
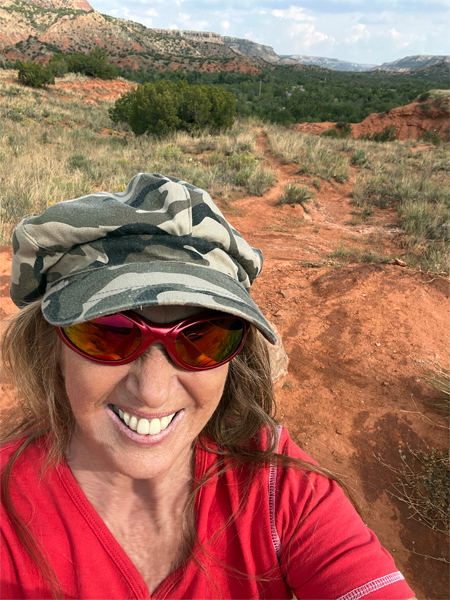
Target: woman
<point>144,461</point>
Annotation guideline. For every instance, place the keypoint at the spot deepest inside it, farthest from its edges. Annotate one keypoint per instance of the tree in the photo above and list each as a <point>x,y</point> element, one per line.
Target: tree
<point>154,109</point>
<point>165,106</point>
<point>58,65</point>
<point>94,64</point>
<point>34,75</point>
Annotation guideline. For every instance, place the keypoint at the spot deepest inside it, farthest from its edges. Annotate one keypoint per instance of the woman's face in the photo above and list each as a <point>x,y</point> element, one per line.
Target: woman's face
<point>151,388</point>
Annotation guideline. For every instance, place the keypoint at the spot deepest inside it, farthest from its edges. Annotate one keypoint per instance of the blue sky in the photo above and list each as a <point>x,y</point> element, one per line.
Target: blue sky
<point>372,32</point>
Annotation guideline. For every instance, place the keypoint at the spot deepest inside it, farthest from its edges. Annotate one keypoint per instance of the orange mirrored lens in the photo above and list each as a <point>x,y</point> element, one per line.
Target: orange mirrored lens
<point>107,338</point>
<point>209,343</point>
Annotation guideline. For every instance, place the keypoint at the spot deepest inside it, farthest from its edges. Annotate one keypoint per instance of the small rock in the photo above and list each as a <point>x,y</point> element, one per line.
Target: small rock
<point>386,383</point>
<point>377,344</point>
<point>399,262</point>
<point>339,432</point>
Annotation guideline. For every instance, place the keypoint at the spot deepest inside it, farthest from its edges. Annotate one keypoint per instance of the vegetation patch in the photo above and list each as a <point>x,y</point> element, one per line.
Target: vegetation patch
<point>293,194</point>
<point>355,255</point>
<point>164,107</point>
<point>47,161</point>
<point>423,481</point>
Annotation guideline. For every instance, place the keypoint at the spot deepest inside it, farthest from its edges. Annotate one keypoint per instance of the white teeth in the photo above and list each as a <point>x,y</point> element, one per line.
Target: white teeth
<point>155,426</point>
<point>145,426</point>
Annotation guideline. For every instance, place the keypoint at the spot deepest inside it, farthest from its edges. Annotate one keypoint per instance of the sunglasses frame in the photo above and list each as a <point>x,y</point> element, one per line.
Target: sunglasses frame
<point>164,333</point>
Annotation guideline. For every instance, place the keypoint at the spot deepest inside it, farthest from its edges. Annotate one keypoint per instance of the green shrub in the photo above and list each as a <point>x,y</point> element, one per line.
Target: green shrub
<point>431,137</point>
<point>58,65</point>
<point>359,158</point>
<point>169,153</point>
<point>34,75</point>
<point>260,182</point>
<point>78,161</point>
<point>296,195</point>
<point>389,134</point>
<point>94,64</point>
<point>163,107</point>
<point>242,161</point>
<point>343,131</point>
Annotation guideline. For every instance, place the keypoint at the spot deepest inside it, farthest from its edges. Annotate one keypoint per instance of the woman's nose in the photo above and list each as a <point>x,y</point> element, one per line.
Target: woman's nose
<point>152,376</point>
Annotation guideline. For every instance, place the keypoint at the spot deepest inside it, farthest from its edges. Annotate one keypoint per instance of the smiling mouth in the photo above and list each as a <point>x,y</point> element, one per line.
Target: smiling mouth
<point>141,425</point>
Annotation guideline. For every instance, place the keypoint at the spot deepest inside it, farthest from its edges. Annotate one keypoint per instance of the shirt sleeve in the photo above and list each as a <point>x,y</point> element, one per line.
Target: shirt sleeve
<point>327,552</point>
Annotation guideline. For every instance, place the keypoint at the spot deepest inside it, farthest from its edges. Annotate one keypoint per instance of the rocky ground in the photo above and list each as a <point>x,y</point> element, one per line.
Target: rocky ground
<point>358,336</point>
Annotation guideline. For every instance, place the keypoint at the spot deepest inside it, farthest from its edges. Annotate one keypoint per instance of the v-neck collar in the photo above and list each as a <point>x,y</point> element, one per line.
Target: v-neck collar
<point>130,573</point>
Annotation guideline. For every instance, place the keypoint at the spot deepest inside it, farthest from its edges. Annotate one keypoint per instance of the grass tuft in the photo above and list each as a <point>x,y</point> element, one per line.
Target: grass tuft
<point>293,194</point>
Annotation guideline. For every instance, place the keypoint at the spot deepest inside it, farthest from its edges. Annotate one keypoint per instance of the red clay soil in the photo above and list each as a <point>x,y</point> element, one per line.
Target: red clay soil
<point>410,121</point>
<point>358,337</point>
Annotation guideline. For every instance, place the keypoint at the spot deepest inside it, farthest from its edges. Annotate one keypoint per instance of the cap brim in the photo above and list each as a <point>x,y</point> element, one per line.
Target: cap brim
<point>106,290</point>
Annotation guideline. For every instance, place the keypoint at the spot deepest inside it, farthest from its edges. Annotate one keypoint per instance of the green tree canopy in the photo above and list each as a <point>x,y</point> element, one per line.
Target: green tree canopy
<point>94,64</point>
<point>165,106</point>
<point>35,75</point>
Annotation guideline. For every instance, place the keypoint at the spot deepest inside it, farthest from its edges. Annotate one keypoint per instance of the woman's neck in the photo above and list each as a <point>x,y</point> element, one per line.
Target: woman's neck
<point>114,494</point>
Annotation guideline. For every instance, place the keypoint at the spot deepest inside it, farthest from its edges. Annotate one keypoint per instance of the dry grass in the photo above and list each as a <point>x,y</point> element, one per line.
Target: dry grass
<point>416,184</point>
<point>56,149</point>
<point>423,483</point>
<point>314,155</point>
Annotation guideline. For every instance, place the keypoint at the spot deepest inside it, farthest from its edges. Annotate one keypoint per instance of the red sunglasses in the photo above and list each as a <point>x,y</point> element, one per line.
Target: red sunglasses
<point>195,344</point>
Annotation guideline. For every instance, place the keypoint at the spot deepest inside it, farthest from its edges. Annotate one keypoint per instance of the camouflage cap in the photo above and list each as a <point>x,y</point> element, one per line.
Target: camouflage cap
<point>160,242</point>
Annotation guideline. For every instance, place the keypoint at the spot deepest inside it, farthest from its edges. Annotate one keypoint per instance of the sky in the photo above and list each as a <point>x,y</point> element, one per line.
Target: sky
<point>362,31</point>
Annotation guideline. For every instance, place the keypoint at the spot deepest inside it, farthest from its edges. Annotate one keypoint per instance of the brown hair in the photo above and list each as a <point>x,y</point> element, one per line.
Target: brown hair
<point>30,354</point>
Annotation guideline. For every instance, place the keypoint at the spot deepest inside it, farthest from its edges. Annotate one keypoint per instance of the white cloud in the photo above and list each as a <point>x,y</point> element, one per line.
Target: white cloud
<point>152,12</point>
<point>309,34</point>
<point>359,32</point>
<point>184,16</point>
<point>293,13</point>
<point>395,34</point>
<point>225,25</point>
<point>301,24</point>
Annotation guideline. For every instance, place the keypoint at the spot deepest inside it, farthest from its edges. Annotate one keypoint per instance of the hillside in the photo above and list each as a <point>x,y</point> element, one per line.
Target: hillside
<point>330,63</point>
<point>411,63</point>
<point>67,4</point>
<point>31,32</point>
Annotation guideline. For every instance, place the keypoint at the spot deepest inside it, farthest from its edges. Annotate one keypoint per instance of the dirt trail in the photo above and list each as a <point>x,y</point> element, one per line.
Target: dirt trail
<point>357,337</point>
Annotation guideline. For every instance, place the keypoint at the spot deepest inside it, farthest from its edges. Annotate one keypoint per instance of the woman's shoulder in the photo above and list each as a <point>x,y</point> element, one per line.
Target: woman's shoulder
<point>27,449</point>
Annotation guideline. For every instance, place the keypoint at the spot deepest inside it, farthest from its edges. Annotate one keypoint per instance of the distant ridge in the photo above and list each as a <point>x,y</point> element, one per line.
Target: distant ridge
<point>33,30</point>
<point>331,63</point>
<point>74,4</point>
<point>411,63</point>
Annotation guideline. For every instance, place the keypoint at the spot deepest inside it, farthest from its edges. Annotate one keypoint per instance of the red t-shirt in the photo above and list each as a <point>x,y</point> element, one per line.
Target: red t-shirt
<point>332,554</point>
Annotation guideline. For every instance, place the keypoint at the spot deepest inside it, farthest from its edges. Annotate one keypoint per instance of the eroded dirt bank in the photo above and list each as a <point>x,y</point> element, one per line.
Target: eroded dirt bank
<point>410,121</point>
<point>357,336</point>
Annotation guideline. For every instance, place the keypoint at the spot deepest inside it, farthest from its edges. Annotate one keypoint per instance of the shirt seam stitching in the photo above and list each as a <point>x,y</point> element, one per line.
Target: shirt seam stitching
<point>272,501</point>
<point>372,586</point>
